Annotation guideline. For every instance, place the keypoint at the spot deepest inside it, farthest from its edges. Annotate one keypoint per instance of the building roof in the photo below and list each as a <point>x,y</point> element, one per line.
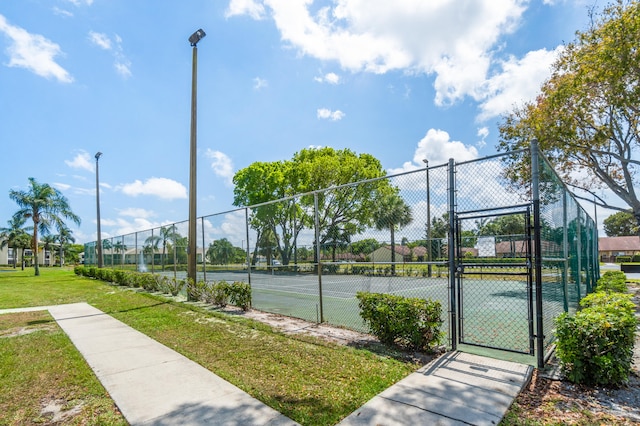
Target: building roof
<point>619,243</point>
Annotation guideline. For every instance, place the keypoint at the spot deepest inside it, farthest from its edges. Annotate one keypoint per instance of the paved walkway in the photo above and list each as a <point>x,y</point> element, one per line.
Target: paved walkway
<point>154,385</point>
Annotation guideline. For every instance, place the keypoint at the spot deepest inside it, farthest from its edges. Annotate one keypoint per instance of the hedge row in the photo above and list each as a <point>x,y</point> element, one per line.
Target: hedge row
<point>404,321</point>
<point>218,293</point>
<point>628,258</point>
<point>595,346</point>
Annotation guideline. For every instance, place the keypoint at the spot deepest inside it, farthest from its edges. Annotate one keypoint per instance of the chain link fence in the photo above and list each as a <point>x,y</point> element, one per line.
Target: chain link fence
<point>462,234</point>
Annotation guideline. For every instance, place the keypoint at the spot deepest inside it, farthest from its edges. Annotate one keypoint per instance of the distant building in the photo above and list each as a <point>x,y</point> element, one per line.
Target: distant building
<point>610,248</point>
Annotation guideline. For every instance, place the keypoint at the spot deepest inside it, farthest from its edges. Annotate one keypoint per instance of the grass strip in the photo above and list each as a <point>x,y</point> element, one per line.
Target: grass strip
<point>44,380</point>
<point>311,381</point>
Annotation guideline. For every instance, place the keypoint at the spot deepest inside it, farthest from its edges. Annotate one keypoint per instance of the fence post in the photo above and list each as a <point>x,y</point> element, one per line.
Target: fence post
<point>452,258</point>
<point>537,241</point>
<point>248,255</point>
<point>565,251</point>
<point>204,262</point>
<point>317,236</point>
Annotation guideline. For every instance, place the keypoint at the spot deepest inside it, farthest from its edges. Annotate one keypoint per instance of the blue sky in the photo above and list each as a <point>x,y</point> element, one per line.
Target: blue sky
<point>402,80</point>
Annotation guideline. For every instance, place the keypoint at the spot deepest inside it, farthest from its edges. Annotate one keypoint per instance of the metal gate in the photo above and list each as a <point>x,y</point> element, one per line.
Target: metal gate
<point>495,284</point>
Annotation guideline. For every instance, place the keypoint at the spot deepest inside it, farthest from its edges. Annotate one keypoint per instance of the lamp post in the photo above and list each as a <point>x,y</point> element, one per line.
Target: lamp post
<point>99,242</point>
<point>429,245</point>
<point>192,244</point>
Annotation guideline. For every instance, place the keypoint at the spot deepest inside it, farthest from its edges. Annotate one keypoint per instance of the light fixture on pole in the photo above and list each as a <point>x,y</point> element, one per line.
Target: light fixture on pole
<point>99,237</point>
<point>192,243</point>
<point>429,244</point>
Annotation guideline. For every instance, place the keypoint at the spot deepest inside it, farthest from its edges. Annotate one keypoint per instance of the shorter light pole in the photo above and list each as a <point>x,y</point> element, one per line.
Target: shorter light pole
<point>429,245</point>
<point>99,242</point>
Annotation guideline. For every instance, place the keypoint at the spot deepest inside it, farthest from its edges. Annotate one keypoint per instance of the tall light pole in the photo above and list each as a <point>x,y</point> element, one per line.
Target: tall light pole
<point>192,243</point>
<point>429,245</point>
<point>99,242</point>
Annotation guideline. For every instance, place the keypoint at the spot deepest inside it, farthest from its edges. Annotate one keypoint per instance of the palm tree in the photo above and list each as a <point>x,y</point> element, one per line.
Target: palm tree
<point>64,237</point>
<point>9,236</point>
<point>392,212</point>
<point>107,246</point>
<point>44,205</point>
<point>47,242</point>
<point>168,234</point>
<point>220,252</point>
<point>120,247</point>
<point>23,241</point>
<point>151,246</point>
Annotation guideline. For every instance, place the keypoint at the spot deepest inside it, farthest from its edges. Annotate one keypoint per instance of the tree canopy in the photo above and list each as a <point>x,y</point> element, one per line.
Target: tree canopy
<point>347,209</point>
<point>587,115</point>
<point>620,224</point>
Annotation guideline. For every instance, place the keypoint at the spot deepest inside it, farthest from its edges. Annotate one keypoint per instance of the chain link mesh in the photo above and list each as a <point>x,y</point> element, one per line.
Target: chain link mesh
<point>308,256</point>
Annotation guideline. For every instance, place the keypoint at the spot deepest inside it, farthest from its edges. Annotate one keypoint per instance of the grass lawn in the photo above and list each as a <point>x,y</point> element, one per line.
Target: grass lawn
<point>306,379</point>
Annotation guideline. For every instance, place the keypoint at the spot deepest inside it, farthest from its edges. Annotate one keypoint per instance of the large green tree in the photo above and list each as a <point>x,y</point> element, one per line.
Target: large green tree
<point>620,224</point>
<point>311,171</point>
<point>587,115</point>
<point>45,206</point>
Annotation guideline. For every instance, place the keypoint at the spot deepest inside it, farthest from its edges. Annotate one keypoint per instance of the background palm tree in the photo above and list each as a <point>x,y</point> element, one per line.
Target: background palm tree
<point>44,205</point>
<point>64,237</point>
<point>47,242</point>
<point>106,247</point>
<point>391,213</point>
<point>9,236</point>
<point>167,235</point>
<point>151,246</point>
<point>120,247</point>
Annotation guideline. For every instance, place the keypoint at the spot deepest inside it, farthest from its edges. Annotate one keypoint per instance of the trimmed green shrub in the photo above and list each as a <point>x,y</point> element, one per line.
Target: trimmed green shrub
<point>91,272</point>
<point>404,321</point>
<point>612,281</point>
<point>218,294</point>
<point>78,270</point>
<point>595,346</point>
<point>120,277</point>
<point>240,295</point>
<point>609,303</point>
<point>196,290</point>
<point>623,259</point>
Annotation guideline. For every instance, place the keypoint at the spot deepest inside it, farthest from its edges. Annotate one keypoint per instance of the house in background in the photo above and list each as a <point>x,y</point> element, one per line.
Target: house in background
<point>610,248</point>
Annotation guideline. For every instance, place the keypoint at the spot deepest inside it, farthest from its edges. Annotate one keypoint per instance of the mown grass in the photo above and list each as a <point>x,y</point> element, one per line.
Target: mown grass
<point>306,379</point>
<point>40,366</point>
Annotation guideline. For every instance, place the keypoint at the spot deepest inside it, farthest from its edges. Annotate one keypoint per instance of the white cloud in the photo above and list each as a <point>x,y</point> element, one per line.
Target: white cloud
<point>33,52</point>
<point>245,7</point>
<point>100,39</point>
<point>136,212</point>
<point>259,83</point>
<point>61,186</point>
<point>160,187</point>
<point>324,113</point>
<point>222,165</point>
<point>82,160</point>
<point>81,2</point>
<point>438,148</point>
<point>459,45</point>
<point>121,63</point>
<point>455,42</point>
<point>519,81</point>
<point>62,12</point>
<point>331,78</point>
<point>483,133</point>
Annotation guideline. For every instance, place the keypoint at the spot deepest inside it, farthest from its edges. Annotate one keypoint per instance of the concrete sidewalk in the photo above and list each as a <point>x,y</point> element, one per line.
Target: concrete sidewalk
<point>154,385</point>
<point>456,389</point>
